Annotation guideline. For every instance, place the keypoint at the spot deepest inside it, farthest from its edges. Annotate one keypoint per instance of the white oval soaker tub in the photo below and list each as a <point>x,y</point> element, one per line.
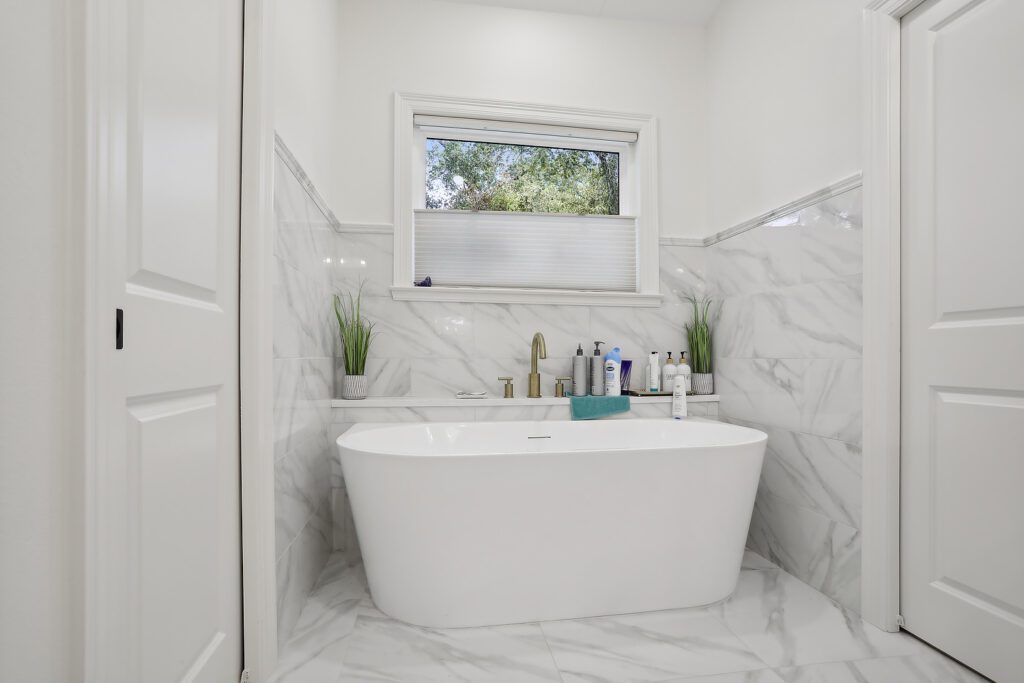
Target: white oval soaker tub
<point>471,524</point>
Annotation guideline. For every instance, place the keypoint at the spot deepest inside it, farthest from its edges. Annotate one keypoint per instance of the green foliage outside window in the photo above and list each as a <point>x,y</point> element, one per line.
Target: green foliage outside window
<point>483,176</point>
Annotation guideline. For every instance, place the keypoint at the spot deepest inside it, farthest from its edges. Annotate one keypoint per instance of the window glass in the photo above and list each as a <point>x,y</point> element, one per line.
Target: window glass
<point>486,176</point>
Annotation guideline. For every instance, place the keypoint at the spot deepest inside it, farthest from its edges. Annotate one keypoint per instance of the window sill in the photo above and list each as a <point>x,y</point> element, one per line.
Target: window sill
<point>494,295</point>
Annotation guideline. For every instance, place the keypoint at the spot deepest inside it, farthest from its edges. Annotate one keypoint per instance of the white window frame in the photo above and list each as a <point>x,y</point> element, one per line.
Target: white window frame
<point>638,194</point>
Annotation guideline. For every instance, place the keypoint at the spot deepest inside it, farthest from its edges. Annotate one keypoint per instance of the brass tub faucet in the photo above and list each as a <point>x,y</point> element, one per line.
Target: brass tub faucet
<point>538,349</point>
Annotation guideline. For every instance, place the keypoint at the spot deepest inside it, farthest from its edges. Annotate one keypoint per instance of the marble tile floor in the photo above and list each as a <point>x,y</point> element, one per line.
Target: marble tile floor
<point>774,629</point>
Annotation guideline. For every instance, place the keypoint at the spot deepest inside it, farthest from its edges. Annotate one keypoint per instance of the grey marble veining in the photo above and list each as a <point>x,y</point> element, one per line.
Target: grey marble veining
<point>824,553</point>
<point>788,623</point>
<point>773,629</point>
<point>303,369</point>
<point>654,646</point>
<point>787,347</point>
<point>382,649</point>
<point>927,668</point>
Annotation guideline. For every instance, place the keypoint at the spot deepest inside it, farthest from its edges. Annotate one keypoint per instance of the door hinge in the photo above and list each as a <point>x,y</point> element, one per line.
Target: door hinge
<point>900,621</point>
<point>244,678</point>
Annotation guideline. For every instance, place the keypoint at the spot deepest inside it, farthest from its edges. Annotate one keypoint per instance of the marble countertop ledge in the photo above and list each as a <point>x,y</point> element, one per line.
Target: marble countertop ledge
<point>452,402</point>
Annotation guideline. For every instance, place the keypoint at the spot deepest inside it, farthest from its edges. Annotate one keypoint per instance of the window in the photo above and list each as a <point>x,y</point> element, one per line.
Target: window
<point>500,202</point>
<point>491,176</point>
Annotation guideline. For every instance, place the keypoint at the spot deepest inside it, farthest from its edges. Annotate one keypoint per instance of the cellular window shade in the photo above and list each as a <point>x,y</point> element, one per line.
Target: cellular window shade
<point>458,123</point>
<point>525,250</point>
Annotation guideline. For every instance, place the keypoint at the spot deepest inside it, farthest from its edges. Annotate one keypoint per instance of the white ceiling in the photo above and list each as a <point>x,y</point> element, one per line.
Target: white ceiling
<point>680,11</point>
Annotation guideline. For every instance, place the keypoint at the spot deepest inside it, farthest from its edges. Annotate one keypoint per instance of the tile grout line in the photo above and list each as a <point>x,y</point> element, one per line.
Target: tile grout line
<point>551,652</point>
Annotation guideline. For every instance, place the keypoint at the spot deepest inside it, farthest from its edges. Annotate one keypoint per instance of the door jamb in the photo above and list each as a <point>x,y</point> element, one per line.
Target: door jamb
<point>880,559</point>
<point>256,386</point>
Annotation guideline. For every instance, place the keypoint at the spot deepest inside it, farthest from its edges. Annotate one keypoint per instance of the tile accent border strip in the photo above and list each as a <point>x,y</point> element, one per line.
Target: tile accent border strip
<point>300,174</point>
<point>835,189</point>
<point>838,188</point>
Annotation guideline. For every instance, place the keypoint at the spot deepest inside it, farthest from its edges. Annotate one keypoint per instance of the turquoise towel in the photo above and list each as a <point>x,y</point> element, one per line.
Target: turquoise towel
<point>593,407</point>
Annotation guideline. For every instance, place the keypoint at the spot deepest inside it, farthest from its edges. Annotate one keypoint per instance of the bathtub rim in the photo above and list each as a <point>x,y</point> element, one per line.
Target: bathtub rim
<point>363,427</point>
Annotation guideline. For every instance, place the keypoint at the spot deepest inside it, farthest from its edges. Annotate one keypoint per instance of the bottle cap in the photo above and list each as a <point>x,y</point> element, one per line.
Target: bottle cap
<point>597,348</point>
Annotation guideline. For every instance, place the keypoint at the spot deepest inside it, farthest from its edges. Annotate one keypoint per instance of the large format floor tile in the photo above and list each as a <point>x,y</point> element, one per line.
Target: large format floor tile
<point>773,629</point>
<point>788,623</point>
<point>383,649</point>
<point>640,648</point>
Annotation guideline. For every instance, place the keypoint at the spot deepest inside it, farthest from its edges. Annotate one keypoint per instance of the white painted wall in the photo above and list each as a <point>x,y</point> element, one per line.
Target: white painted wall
<point>306,89</point>
<point>39,560</point>
<point>784,102</point>
<point>489,52</point>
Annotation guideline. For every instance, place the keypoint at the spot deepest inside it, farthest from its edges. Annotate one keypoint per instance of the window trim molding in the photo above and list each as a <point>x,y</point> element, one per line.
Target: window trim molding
<point>645,208</point>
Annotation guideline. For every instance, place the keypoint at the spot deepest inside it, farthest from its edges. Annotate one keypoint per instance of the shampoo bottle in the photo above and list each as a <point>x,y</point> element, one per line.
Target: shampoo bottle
<point>612,380</point>
<point>679,401</point>
<point>668,374</point>
<point>580,373</point>
<point>683,372</point>
<point>597,371</point>
<point>654,372</point>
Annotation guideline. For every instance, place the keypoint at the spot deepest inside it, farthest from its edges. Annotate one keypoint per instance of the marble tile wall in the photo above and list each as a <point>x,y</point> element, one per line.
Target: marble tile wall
<point>787,348</point>
<point>437,349</point>
<point>303,366</point>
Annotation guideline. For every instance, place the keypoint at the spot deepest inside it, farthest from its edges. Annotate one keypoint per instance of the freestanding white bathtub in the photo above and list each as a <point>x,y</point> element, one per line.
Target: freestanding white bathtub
<point>471,524</point>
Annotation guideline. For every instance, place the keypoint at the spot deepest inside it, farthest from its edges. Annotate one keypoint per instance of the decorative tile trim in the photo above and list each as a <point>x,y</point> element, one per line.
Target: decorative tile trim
<point>300,174</point>
<point>680,242</point>
<point>844,185</point>
<point>365,228</point>
<point>838,188</point>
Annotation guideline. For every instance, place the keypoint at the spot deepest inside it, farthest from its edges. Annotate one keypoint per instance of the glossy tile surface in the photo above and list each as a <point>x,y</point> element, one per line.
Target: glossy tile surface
<point>774,629</point>
<point>303,369</point>
<point>788,361</point>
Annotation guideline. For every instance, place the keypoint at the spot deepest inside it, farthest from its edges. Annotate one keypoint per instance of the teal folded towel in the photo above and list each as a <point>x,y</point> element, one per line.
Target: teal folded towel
<point>593,407</point>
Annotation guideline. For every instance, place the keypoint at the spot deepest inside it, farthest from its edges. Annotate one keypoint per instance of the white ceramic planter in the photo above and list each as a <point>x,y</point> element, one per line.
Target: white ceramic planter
<point>353,387</point>
<point>702,383</point>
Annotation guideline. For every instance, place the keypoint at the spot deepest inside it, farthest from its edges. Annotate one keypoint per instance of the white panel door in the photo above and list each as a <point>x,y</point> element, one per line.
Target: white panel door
<point>168,571</point>
<point>962,458</point>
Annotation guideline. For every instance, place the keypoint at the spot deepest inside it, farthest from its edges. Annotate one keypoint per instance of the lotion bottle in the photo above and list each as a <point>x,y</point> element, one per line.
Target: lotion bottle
<point>597,371</point>
<point>612,368</point>
<point>684,372</point>
<point>679,401</point>
<point>668,374</point>
<point>654,372</point>
<point>580,374</point>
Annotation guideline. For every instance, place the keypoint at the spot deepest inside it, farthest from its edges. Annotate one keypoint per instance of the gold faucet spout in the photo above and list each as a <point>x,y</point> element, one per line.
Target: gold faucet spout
<point>538,349</point>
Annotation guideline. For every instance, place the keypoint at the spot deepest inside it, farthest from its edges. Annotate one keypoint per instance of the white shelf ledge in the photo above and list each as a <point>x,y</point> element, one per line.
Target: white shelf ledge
<point>451,402</point>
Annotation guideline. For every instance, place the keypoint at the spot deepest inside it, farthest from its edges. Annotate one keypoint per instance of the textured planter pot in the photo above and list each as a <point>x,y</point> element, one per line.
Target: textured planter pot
<point>353,387</point>
<point>702,383</point>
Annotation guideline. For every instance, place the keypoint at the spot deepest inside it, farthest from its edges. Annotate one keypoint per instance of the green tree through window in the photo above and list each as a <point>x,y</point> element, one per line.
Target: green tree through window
<point>484,176</point>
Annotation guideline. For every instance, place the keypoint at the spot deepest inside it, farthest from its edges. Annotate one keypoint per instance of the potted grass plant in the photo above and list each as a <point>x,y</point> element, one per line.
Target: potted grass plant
<point>698,335</point>
<point>356,335</point>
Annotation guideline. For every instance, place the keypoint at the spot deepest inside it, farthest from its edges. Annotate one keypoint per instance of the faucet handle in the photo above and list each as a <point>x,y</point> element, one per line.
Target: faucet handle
<point>508,386</point>
<point>559,388</point>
